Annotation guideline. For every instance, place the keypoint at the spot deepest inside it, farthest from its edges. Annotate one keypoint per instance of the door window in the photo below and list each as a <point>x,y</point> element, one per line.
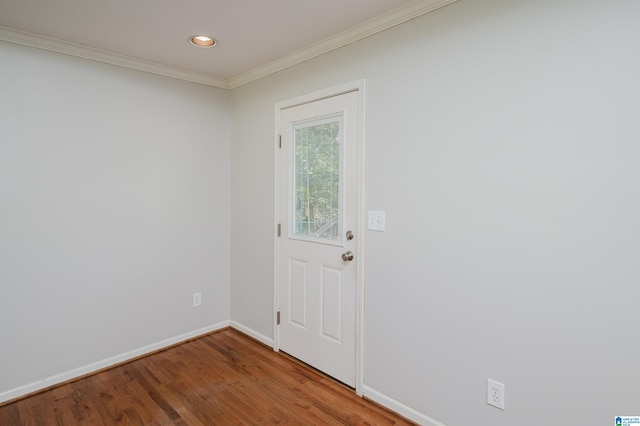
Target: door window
<point>317,153</point>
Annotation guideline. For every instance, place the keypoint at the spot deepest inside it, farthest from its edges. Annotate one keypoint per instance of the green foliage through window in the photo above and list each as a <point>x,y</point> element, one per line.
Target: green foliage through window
<point>317,179</point>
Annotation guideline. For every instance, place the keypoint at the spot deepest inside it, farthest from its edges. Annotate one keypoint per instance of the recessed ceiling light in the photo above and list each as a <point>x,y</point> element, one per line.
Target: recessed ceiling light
<point>202,41</point>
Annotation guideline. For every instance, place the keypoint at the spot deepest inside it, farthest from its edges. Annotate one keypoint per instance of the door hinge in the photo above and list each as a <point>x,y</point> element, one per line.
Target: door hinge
<point>278,318</point>
<point>279,229</point>
<point>279,141</point>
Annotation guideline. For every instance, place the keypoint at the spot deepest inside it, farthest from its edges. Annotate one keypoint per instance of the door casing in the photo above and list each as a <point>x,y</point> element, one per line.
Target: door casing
<point>353,86</point>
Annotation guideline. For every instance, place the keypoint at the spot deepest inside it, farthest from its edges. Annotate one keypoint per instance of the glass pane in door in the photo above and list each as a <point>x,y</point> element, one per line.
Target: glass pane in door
<point>316,178</point>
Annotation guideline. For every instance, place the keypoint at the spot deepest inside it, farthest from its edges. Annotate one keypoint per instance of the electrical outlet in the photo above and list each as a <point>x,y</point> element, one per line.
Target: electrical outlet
<point>495,394</point>
<point>197,299</point>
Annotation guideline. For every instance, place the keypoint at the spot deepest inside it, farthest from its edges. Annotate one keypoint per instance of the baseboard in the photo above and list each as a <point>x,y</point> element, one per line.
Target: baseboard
<point>252,333</point>
<point>95,367</point>
<point>399,407</point>
<point>368,393</point>
<point>105,363</point>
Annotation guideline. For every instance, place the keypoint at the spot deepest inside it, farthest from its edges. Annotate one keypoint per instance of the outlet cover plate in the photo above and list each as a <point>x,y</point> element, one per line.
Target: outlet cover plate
<point>495,394</point>
<point>197,299</point>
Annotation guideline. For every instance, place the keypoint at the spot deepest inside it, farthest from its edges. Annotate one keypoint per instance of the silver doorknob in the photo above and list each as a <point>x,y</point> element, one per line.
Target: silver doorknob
<point>347,256</point>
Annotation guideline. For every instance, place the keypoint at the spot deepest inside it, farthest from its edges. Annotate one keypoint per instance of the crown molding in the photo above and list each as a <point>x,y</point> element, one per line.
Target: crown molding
<point>54,45</point>
<point>373,26</point>
<point>353,34</point>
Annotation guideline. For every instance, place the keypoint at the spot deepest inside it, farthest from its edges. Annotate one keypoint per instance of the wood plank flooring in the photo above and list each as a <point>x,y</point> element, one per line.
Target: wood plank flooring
<point>223,378</point>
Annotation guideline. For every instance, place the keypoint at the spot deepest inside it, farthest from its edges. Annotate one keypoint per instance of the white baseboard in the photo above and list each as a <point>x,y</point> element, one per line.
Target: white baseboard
<point>400,408</point>
<point>105,363</point>
<point>368,392</point>
<point>252,333</point>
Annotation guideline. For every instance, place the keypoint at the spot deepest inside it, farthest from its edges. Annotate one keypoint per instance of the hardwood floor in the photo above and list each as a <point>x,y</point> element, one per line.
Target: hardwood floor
<point>223,378</point>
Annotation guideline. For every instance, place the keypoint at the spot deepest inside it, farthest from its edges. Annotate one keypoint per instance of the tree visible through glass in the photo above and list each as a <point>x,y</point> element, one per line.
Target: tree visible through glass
<point>317,178</point>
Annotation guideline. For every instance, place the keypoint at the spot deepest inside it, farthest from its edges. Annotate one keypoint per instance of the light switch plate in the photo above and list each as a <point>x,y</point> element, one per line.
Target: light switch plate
<point>375,220</point>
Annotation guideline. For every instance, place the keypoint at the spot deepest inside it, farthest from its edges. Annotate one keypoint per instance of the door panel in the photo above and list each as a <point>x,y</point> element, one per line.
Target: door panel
<point>298,292</point>
<point>318,202</point>
<point>331,302</point>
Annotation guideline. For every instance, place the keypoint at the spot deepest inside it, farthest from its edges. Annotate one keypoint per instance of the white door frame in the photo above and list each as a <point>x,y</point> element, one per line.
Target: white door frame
<point>353,86</point>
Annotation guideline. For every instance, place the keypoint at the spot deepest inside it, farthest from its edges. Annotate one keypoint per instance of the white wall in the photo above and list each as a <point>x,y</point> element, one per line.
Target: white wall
<point>503,144</point>
<point>114,209</point>
<point>502,141</point>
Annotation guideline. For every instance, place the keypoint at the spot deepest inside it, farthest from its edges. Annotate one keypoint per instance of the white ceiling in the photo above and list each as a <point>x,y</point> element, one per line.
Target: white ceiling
<point>255,37</point>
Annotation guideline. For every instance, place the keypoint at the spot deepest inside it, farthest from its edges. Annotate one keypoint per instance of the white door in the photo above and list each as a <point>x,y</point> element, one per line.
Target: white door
<point>318,242</point>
